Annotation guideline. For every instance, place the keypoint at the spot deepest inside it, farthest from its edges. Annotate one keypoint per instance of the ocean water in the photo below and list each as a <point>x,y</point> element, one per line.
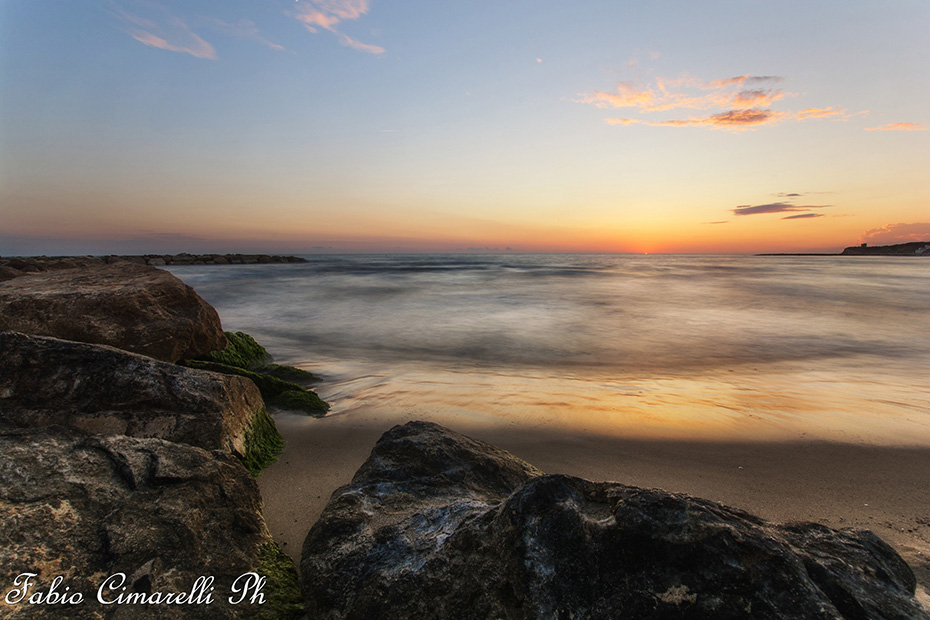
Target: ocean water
<point>681,347</point>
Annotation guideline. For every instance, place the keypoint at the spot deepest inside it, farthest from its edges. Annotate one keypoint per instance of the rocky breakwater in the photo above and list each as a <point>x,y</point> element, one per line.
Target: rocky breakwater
<point>125,484</point>
<point>437,525</point>
<point>11,267</point>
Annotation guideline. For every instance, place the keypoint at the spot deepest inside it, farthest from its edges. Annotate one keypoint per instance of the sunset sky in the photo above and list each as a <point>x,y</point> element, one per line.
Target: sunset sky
<point>133,126</point>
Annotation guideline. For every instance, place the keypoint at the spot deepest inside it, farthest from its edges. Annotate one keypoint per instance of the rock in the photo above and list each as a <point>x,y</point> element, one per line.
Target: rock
<point>279,385</point>
<point>8,273</point>
<point>241,351</point>
<point>277,393</point>
<point>436,525</point>
<point>97,389</point>
<point>133,307</point>
<point>35,264</point>
<point>160,513</point>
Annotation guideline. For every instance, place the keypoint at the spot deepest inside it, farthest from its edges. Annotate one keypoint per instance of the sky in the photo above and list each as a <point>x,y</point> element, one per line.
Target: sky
<point>283,126</point>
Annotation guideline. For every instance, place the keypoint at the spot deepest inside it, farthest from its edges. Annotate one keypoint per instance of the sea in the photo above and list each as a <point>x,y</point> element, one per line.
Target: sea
<point>695,347</point>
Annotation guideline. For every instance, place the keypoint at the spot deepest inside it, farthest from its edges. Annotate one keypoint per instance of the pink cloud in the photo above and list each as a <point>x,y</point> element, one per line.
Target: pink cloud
<point>730,119</point>
<point>628,95</point>
<point>742,79</point>
<point>327,14</point>
<point>741,102</point>
<point>900,127</point>
<point>744,118</point>
<point>164,31</point>
<point>890,234</point>
<point>674,94</point>
<point>821,113</point>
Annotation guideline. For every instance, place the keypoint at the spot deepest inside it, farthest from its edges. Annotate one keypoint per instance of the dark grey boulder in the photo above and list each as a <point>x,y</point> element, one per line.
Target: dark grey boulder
<point>102,390</point>
<point>437,525</point>
<point>129,306</point>
<point>162,514</point>
<point>8,273</point>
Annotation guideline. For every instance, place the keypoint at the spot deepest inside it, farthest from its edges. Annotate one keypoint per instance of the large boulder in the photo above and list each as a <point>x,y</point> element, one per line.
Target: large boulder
<point>436,525</point>
<point>169,518</point>
<point>129,306</point>
<point>98,389</point>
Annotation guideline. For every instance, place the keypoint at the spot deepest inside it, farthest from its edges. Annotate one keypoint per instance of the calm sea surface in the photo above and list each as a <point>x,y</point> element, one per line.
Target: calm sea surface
<point>699,347</point>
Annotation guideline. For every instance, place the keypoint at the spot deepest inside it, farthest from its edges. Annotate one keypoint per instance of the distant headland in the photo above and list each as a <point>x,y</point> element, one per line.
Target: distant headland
<point>914,248</point>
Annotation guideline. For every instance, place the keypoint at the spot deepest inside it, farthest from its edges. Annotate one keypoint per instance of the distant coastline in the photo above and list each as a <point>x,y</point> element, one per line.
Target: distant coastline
<point>914,248</point>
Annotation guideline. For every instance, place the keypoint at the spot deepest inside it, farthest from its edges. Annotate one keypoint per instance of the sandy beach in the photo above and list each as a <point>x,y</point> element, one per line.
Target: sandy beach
<point>880,488</point>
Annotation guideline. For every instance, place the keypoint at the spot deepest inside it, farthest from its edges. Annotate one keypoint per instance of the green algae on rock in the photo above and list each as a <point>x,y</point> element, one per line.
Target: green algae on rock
<point>284,600</point>
<point>241,351</point>
<point>289,373</point>
<point>277,393</point>
<point>263,444</point>
<point>305,401</point>
<point>280,385</point>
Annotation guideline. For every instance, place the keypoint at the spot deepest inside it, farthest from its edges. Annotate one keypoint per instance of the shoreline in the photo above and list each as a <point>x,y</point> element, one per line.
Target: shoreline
<point>840,485</point>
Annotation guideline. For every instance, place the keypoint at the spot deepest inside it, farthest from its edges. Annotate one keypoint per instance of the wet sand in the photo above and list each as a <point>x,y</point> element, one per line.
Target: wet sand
<point>881,488</point>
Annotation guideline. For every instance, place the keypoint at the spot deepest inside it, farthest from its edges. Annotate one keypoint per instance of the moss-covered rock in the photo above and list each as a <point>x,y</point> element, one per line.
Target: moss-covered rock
<point>282,387</point>
<point>289,373</point>
<point>263,444</point>
<point>305,401</point>
<point>269,386</point>
<point>276,392</point>
<point>283,601</point>
<point>241,351</point>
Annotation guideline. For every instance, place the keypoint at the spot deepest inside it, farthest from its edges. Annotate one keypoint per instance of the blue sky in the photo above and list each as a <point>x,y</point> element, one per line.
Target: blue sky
<point>143,125</point>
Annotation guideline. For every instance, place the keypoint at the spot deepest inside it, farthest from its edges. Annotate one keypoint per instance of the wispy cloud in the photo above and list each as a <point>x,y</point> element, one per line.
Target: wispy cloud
<point>687,93</point>
<point>733,119</point>
<point>829,112</point>
<point>244,29</point>
<point>900,127</point>
<point>327,14</point>
<point>802,216</point>
<point>897,233</point>
<point>742,102</point>
<point>159,28</point>
<point>775,207</point>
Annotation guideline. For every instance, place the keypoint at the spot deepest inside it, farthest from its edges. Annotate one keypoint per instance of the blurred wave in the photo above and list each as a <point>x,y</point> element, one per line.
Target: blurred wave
<point>601,312</point>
